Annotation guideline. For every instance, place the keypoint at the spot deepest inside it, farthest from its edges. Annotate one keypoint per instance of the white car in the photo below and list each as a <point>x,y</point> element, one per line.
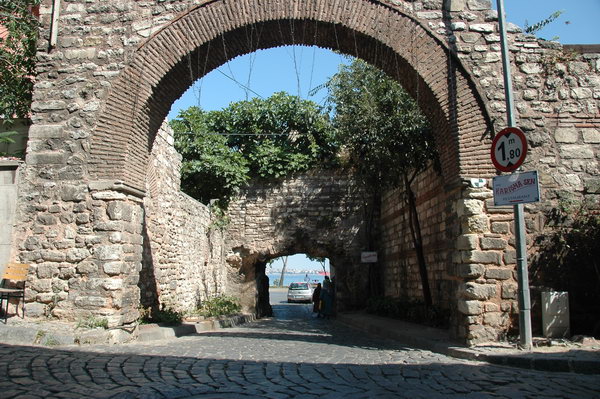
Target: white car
<point>299,292</point>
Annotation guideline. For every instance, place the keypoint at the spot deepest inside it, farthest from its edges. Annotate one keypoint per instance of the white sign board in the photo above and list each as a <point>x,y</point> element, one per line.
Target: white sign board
<point>368,257</point>
<point>518,188</point>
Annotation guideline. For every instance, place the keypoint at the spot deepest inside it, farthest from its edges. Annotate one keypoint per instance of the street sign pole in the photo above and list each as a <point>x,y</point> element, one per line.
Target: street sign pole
<point>525,336</point>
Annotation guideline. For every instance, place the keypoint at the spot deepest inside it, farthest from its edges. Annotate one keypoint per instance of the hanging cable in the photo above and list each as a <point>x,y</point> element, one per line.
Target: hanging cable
<point>238,83</point>
<point>201,81</point>
<point>232,76</point>
<point>312,67</point>
<point>243,134</point>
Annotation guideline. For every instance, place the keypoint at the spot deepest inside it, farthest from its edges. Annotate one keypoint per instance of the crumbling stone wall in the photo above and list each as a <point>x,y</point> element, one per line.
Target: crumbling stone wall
<point>320,214</point>
<point>184,259</point>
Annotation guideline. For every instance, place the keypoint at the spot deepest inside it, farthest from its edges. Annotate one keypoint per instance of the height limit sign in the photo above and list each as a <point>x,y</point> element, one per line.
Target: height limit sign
<point>509,149</point>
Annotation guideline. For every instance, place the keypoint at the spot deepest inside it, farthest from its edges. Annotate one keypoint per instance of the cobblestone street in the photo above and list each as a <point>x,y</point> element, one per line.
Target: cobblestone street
<point>292,355</point>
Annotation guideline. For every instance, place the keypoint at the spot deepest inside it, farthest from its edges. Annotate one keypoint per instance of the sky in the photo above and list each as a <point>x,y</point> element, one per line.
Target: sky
<point>299,262</point>
<point>298,69</point>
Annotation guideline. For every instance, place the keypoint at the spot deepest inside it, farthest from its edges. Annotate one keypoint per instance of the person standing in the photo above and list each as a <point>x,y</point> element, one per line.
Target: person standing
<point>316,299</point>
<point>327,298</point>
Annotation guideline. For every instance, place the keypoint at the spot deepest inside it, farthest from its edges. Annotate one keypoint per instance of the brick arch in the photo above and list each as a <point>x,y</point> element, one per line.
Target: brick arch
<point>212,33</point>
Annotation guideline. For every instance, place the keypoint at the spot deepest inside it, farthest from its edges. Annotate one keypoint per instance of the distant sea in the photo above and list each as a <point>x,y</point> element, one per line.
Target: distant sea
<point>295,278</point>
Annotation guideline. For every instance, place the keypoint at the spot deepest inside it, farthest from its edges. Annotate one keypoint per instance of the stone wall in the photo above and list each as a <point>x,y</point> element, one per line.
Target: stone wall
<point>437,220</point>
<point>184,258</point>
<point>84,244</point>
<point>103,92</point>
<point>320,214</point>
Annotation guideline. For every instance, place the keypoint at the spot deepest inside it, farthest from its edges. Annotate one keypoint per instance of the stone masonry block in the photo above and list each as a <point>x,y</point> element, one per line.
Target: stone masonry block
<point>592,185</point>
<point>119,211</point>
<point>510,257</point>
<point>475,224</point>
<point>90,302</point>
<point>53,256</point>
<point>467,242</point>
<point>500,227</point>
<point>76,193</point>
<point>113,268</point>
<point>47,158</point>
<point>480,292</point>
<point>113,225</point>
<point>566,135</point>
<point>46,132</point>
<point>77,254</point>
<point>485,257</point>
<point>455,5</point>
<point>47,270</point>
<point>109,252</point>
<point>112,284</point>
<point>470,307</point>
<point>497,273</point>
<point>494,319</point>
<point>483,28</point>
<point>591,136</point>
<point>509,290</point>
<point>479,5</point>
<point>469,207</point>
<point>493,243</point>
<point>47,220</point>
<point>577,151</point>
<point>469,270</point>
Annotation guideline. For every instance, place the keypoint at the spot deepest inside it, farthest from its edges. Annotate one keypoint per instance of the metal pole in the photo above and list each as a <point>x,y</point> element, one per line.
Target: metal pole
<point>525,337</point>
<point>54,27</point>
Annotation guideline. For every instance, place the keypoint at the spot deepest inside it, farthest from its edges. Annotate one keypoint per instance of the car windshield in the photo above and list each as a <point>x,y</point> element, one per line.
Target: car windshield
<point>299,286</point>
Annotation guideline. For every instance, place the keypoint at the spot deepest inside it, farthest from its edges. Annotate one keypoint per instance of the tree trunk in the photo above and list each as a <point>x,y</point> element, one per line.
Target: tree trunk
<point>374,269</point>
<point>415,230</point>
<point>285,259</point>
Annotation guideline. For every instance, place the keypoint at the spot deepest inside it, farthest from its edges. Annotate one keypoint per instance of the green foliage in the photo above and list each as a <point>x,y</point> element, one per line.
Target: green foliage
<point>381,126</point>
<point>219,216</point>
<point>17,57</point>
<point>6,138</point>
<point>388,141</point>
<point>92,322</point>
<point>222,305</point>
<point>44,338</point>
<point>259,138</point>
<point>413,311</point>
<point>568,259</point>
<point>533,29</point>
<point>165,315</point>
<point>210,168</point>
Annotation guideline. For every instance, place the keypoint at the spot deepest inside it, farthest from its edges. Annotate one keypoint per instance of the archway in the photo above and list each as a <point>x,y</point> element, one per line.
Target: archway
<point>210,34</point>
<point>107,179</point>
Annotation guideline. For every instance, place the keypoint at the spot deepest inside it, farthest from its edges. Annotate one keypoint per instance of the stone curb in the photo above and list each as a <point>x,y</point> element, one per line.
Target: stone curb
<point>438,341</point>
<point>151,332</point>
<point>54,334</point>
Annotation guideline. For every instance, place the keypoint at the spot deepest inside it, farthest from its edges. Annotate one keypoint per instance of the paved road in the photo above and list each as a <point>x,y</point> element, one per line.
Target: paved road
<point>293,355</point>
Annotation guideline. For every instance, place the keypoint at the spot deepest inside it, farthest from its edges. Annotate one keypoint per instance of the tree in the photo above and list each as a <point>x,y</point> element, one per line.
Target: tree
<point>210,168</point>
<point>255,139</point>
<point>387,138</point>
<point>319,259</point>
<point>17,57</point>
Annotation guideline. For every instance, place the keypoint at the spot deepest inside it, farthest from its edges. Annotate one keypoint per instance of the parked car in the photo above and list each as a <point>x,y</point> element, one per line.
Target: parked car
<point>299,292</point>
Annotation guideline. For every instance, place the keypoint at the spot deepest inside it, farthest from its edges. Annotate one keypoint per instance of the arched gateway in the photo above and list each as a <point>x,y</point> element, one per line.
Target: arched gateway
<point>103,92</point>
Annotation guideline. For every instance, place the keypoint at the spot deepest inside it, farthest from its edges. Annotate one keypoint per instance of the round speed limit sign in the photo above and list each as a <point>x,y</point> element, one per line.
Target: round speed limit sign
<point>509,149</point>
